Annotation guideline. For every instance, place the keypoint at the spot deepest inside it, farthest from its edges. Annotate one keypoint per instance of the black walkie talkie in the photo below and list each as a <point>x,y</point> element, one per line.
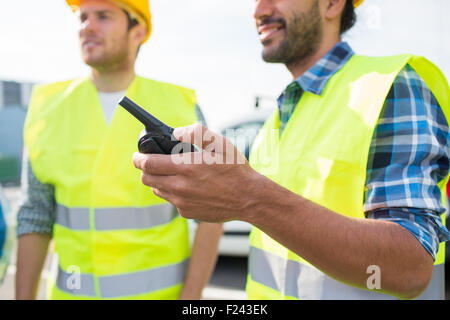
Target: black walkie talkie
<point>157,137</point>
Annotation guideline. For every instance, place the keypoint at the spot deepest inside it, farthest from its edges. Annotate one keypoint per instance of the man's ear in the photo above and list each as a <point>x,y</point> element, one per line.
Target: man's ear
<point>334,8</point>
<point>139,32</point>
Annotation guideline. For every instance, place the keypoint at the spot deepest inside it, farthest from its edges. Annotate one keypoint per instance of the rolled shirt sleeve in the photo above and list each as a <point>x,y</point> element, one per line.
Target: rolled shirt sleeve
<point>408,157</point>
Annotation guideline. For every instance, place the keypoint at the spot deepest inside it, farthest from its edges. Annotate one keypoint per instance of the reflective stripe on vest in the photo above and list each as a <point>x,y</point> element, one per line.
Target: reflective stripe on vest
<point>128,284</point>
<point>294,279</point>
<point>106,219</point>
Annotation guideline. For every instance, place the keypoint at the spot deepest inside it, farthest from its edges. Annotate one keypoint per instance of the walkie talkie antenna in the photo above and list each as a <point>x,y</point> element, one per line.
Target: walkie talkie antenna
<point>143,116</point>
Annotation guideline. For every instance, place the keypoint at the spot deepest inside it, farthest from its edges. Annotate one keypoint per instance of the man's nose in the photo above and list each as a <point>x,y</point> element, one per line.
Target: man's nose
<point>263,9</point>
<point>88,26</point>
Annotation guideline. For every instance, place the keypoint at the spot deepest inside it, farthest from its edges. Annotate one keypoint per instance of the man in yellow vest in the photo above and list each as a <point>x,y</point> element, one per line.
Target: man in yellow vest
<point>346,180</point>
<point>114,238</point>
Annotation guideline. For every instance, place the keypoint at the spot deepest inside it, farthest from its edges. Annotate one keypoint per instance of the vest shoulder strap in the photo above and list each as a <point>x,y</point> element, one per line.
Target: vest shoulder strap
<point>44,96</point>
<point>426,69</point>
<point>164,88</point>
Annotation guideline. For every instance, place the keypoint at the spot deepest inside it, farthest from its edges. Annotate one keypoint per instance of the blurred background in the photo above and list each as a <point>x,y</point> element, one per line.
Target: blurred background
<point>208,45</point>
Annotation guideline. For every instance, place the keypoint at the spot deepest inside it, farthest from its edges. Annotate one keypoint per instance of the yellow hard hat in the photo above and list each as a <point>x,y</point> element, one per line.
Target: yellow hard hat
<point>357,3</point>
<point>139,9</point>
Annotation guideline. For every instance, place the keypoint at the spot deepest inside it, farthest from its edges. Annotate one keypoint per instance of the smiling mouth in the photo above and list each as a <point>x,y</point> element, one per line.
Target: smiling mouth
<point>269,28</point>
<point>90,44</point>
<point>267,34</point>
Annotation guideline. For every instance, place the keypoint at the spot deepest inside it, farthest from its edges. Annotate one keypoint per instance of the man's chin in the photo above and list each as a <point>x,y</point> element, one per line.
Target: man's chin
<point>92,61</point>
<point>273,55</point>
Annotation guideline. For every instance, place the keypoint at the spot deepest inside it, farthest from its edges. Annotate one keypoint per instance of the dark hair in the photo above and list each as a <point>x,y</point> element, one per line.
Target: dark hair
<point>348,16</point>
<point>132,22</point>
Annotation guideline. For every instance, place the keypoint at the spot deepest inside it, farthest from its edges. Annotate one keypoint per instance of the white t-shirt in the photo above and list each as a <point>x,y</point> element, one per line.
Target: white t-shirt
<point>109,102</point>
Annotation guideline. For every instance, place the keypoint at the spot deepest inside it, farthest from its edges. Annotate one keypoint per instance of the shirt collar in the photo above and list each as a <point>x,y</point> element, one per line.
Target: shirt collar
<point>315,79</point>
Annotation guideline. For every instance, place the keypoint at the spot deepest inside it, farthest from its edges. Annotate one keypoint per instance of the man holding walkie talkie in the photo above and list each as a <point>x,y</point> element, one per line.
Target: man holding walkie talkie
<point>113,237</point>
<point>345,184</point>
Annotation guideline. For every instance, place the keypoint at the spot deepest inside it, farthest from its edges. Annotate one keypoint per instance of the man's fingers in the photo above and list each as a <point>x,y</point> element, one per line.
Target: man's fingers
<point>169,188</point>
<point>160,194</point>
<point>192,134</point>
<point>156,164</point>
<point>155,181</point>
<point>207,140</point>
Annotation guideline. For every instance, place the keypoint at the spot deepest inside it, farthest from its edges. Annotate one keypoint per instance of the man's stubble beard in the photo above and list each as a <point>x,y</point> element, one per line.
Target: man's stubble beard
<point>111,60</point>
<point>303,38</point>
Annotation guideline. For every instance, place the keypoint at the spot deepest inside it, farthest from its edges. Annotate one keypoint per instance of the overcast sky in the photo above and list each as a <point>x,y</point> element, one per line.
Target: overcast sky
<point>210,45</point>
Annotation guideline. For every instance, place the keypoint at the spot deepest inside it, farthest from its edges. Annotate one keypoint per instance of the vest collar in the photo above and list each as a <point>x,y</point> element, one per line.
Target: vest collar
<point>315,79</point>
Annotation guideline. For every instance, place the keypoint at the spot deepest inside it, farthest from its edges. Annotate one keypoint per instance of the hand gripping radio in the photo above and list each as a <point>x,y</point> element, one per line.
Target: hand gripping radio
<point>157,137</point>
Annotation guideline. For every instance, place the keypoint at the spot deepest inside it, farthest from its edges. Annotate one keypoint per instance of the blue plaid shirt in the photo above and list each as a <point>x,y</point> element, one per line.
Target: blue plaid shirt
<point>409,153</point>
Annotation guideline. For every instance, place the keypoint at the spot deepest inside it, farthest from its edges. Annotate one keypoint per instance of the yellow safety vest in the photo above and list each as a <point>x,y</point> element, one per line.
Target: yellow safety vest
<point>114,238</point>
<point>322,155</point>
